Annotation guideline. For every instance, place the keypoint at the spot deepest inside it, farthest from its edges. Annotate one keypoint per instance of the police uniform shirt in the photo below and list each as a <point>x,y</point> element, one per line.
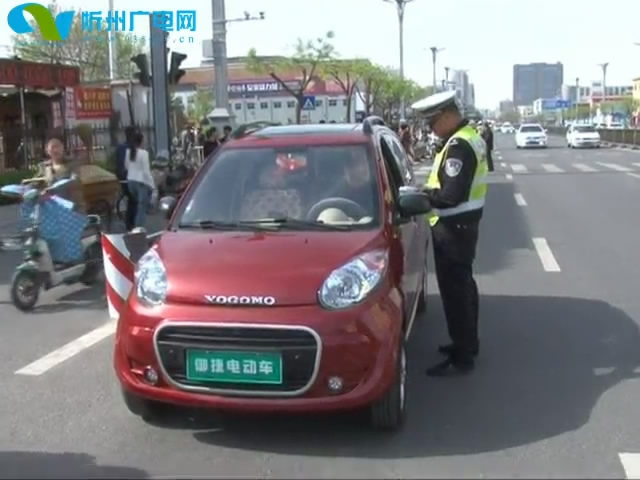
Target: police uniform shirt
<point>456,175</point>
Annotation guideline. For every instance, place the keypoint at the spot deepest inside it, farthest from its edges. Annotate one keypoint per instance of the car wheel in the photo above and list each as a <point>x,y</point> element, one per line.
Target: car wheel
<point>148,410</point>
<point>388,412</point>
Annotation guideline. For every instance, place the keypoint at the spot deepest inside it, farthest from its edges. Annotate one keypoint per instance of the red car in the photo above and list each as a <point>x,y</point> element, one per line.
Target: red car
<point>288,279</point>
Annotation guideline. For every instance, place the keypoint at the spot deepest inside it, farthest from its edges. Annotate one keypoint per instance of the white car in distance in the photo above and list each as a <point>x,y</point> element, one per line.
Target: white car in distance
<point>583,136</point>
<point>531,135</point>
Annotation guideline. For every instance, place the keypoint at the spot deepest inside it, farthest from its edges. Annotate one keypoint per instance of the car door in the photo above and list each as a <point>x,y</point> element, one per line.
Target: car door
<point>411,230</point>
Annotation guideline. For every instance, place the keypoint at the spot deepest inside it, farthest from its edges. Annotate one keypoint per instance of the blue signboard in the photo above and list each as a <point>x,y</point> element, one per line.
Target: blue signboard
<point>562,103</point>
<point>309,102</point>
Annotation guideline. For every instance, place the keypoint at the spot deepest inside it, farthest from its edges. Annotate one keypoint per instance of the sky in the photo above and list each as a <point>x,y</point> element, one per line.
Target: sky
<point>484,37</point>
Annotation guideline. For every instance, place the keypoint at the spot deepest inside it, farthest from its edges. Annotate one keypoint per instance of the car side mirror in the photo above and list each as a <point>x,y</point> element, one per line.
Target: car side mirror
<point>167,205</point>
<point>412,202</point>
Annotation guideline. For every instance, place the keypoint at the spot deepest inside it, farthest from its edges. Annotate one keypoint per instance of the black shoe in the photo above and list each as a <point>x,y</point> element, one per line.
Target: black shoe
<point>448,350</point>
<point>451,367</point>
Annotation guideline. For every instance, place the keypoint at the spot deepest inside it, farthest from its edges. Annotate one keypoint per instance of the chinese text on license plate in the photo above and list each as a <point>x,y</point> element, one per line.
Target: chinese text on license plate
<point>234,367</point>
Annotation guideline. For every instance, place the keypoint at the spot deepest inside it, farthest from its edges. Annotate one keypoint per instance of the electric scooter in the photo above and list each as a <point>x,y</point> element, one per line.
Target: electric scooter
<point>39,270</point>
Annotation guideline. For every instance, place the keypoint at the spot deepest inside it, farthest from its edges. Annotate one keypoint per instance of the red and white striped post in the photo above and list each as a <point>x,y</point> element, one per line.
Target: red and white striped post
<point>120,253</point>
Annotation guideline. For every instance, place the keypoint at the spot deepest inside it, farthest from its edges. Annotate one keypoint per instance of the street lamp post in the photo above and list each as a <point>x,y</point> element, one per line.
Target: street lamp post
<point>221,82</point>
<point>577,96</point>
<point>446,77</point>
<point>604,85</point>
<point>434,54</point>
<point>400,6</point>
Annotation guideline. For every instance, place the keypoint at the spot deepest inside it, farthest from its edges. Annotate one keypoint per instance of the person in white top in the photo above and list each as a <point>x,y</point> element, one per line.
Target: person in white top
<point>139,178</point>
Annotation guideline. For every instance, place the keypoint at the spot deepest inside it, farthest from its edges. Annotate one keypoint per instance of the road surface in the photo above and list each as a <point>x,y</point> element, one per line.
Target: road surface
<point>555,392</point>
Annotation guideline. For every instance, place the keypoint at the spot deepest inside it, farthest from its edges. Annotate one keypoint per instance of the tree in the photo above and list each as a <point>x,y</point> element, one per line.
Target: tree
<point>87,50</point>
<point>392,90</point>
<point>305,64</point>
<point>369,88</point>
<point>200,105</point>
<point>347,74</point>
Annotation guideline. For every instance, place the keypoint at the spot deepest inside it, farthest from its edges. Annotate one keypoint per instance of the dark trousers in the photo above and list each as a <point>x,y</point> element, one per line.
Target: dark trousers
<point>130,214</point>
<point>489,160</point>
<point>454,249</point>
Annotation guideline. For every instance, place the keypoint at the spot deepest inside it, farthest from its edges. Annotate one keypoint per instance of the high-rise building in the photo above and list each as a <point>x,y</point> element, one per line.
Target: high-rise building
<point>537,80</point>
<point>464,89</point>
<point>506,106</point>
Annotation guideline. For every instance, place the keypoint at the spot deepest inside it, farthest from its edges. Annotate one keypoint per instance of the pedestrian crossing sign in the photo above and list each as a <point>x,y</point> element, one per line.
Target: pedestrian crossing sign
<point>309,102</point>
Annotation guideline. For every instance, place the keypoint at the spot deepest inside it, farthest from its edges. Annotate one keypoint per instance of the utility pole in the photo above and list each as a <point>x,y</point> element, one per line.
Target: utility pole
<point>434,54</point>
<point>446,77</point>
<point>400,6</point>
<point>577,96</point>
<point>112,47</point>
<point>604,85</point>
<point>221,83</point>
<point>160,88</point>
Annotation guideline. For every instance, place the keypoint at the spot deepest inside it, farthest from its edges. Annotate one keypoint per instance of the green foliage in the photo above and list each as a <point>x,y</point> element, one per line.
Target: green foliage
<point>200,105</point>
<point>305,63</point>
<point>87,50</point>
<point>380,89</point>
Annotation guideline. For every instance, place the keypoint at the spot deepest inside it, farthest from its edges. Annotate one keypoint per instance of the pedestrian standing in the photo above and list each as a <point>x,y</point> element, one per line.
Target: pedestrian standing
<point>456,188</point>
<point>139,178</point>
<point>121,173</point>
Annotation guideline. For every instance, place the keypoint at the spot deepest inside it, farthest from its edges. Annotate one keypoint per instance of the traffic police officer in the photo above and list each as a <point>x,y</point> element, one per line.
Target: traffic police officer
<point>456,188</point>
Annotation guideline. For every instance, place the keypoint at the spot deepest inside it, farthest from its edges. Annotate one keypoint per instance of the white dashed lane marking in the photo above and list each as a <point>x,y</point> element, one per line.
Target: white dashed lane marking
<point>520,201</point>
<point>551,168</point>
<point>631,464</point>
<point>519,168</point>
<point>614,166</point>
<point>545,254</point>
<point>584,168</point>
<point>69,350</point>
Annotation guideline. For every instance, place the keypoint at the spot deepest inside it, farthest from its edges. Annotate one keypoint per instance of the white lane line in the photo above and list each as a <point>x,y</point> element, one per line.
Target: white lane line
<point>636,165</point>
<point>503,164</point>
<point>584,168</point>
<point>631,464</point>
<point>508,176</point>
<point>551,168</point>
<point>518,168</point>
<point>520,201</point>
<point>69,350</point>
<point>546,255</point>
<point>634,175</point>
<point>614,166</point>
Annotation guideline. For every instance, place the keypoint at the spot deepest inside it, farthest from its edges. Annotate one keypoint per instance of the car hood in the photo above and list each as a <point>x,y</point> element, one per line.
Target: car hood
<point>288,266</point>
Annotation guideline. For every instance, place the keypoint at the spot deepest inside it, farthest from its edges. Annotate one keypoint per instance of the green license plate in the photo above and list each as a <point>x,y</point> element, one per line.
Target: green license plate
<point>234,367</point>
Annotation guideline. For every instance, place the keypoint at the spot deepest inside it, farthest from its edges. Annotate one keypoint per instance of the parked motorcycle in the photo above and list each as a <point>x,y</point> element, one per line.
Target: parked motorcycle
<point>61,247</point>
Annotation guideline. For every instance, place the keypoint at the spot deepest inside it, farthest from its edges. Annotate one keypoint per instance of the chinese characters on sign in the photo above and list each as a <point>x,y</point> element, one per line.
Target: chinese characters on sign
<point>37,75</point>
<point>93,103</point>
<point>122,20</point>
<point>234,367</point>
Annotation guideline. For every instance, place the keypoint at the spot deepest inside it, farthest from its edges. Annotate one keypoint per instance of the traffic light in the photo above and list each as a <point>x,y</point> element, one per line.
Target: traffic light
<point>144,75</point>
<point>175,72</point>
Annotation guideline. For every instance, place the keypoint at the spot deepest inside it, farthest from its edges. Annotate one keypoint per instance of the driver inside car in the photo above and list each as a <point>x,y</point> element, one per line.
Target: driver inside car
<point>357,183</point>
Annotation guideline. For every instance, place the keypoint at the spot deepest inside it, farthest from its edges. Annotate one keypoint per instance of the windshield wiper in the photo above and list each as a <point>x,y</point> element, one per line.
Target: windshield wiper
<point>221,225</point>
<point>301,224</point>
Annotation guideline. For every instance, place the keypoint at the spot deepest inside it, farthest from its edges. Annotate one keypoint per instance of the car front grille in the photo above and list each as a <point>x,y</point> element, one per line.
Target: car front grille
<point>298,347</point>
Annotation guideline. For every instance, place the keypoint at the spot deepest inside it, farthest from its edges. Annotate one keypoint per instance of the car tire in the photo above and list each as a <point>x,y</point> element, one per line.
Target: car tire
<point>148,410</point>
<point>388,412</point>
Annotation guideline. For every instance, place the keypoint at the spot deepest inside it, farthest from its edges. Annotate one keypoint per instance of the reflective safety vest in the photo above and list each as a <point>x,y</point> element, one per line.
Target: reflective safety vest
<point>479,186</point>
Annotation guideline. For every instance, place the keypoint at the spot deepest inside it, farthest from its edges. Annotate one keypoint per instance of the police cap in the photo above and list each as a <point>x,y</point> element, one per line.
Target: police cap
<point>435,104</point>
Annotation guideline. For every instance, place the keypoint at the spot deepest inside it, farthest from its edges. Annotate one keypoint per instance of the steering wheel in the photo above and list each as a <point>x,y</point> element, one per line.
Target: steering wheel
<point>349,207</point>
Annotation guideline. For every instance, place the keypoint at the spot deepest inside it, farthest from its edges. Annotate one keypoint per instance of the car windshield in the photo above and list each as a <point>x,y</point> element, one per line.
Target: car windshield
<point>585,129</point>
<point>302,188</point>
<point>531,128</point>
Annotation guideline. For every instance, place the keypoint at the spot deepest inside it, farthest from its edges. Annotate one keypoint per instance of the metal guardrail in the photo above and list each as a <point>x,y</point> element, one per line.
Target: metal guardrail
<point>626,137</point>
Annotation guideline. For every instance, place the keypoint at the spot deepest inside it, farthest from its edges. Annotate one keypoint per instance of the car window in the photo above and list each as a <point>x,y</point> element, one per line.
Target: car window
<point>329,184</point>
<point>584,129</point>
<point>531,128</point>
<point>391,165</point>
<point>401,159</point>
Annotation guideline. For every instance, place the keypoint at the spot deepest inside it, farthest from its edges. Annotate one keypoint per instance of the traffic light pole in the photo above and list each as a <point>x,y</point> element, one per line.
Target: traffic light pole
<point>160,92</point>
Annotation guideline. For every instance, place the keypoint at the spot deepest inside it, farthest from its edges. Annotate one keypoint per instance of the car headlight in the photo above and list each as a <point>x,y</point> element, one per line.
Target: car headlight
<point>151,279</point>
<point>351,283</point>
